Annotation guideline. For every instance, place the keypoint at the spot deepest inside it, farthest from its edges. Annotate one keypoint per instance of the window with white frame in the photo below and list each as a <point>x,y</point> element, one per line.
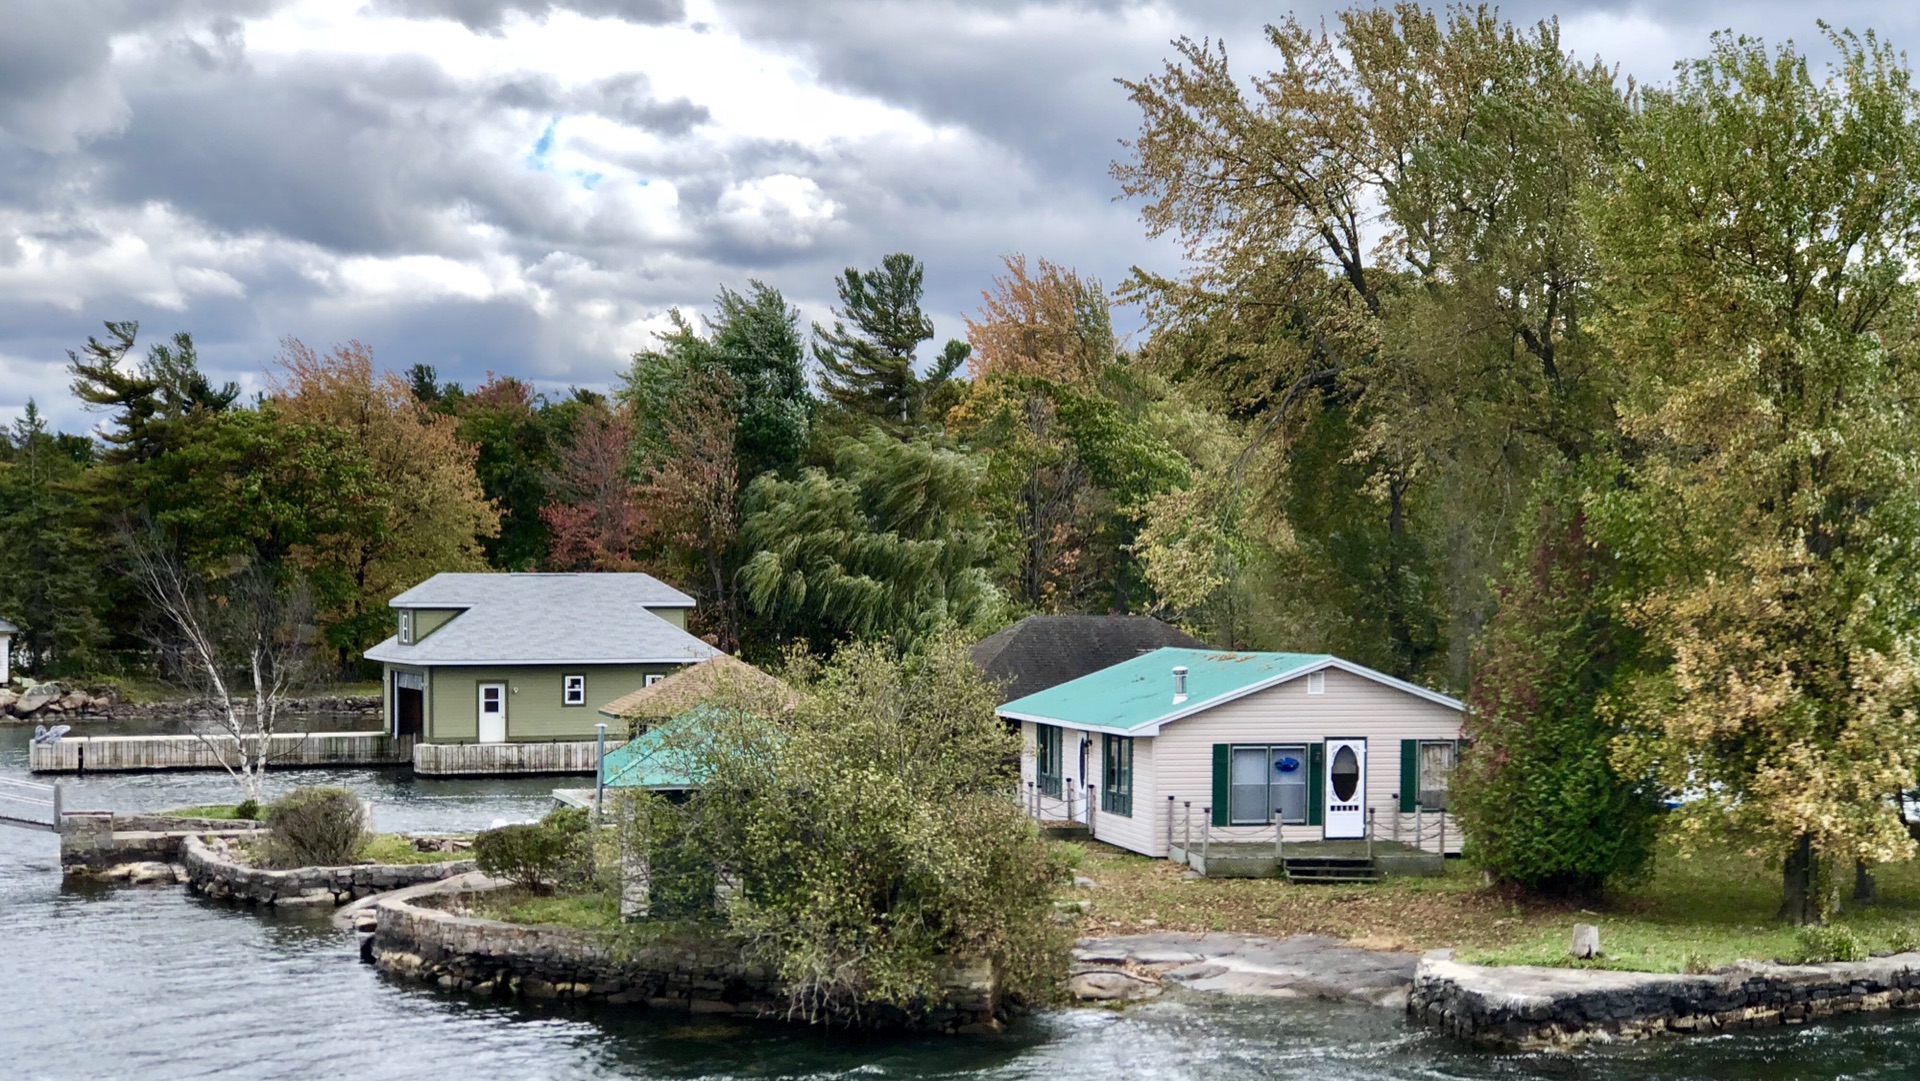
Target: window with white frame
<point>655,678</point>
<point>1316,683</point>
<point>1436,772</point>
<point>573,690</point>
<point>1269,780</point>
<point>406,627</point>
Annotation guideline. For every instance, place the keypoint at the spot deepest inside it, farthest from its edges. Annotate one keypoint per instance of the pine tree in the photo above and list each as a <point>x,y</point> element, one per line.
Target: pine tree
<point>868,367</point>
<point>49,562</point>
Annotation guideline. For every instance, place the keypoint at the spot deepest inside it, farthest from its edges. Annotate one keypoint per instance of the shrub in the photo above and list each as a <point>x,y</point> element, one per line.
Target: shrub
<point>1904,940</point>
<point>1821,944</point>
<point>247,810</point>
<point>315,827</point>
<point>874,839</point>
<point>539,855</point>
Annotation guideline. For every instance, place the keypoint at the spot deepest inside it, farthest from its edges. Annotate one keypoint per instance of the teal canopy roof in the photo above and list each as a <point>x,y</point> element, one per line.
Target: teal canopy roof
<point>655,759</point>
<point>1138,693</point>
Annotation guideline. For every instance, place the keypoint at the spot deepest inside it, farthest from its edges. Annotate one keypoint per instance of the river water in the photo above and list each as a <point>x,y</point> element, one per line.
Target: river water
<point>149,983</point>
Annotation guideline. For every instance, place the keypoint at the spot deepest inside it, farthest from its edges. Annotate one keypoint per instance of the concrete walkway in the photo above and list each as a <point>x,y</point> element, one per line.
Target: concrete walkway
<point>1140,966</point>
<point>357,914</point>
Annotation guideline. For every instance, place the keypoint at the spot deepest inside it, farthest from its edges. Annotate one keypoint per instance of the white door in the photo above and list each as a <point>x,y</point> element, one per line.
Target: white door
<point>493,713</point>
<point>1346,789</point>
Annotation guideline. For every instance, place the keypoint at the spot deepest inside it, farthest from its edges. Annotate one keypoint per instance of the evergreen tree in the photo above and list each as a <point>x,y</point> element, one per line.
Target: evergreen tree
<point>150,402</point>
<point>868,358</point>
<point>50,561</point>
<point>1539,798</point>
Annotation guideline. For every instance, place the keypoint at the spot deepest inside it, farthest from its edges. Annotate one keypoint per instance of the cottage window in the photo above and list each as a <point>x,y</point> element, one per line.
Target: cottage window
<point>655,678</point>
<point>1436,771</point>
<point>1116,778</point>
<point>406,628</point>
<point>1316,683</point>
<point>1047,759</point>
<point>1269,779</point>
<point>573,690</point>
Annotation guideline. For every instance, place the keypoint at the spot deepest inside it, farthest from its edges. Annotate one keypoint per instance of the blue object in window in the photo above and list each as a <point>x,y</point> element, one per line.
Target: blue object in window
<point>1286,763</point>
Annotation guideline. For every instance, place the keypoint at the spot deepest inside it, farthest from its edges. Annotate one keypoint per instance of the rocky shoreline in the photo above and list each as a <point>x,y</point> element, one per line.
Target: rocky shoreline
<point>1130,967</point>
<point>54,702</point>
<point>1531,1008</point>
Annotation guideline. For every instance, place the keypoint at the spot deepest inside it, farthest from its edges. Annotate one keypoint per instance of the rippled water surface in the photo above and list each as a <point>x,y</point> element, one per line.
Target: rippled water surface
<point>149,983</point>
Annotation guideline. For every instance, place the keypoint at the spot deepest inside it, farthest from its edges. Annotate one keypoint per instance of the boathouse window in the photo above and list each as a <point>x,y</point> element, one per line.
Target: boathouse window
<point>1436,771</point>
<point>1269,779</point>
<point>406,628</point>
<point>1116,775</point>
<point>573,690</point>
<point>654,678</point>
<point>1316,683</point>
<point>1047,759</point>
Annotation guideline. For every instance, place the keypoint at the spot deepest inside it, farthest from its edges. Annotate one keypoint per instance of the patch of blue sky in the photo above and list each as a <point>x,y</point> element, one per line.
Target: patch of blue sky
<point>540,159</point>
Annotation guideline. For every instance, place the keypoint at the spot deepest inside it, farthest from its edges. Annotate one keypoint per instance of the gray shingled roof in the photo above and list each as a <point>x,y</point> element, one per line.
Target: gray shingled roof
<point>1045,651</point>
<point>8,628</point>
<point>546,619</point>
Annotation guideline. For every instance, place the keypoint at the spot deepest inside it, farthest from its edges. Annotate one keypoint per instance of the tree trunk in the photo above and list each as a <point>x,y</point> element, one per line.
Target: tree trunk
<point>1796,902</point>
<point>1864,888</point>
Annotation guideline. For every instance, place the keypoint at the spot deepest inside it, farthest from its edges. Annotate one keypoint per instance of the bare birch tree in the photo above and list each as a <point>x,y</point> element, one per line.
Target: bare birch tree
<point>246,641</point>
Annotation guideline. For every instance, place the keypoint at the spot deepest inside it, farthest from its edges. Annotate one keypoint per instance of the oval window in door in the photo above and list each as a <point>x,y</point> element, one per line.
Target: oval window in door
<point>1346,774</point>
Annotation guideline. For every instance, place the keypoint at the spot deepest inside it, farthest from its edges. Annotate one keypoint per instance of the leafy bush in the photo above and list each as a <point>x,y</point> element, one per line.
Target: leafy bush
<point>873,835</point>
<point>1904,940</point>
<point>247,810</point>
<point>1818,945</point>
<point>538,855</point>
<point>315,827</point>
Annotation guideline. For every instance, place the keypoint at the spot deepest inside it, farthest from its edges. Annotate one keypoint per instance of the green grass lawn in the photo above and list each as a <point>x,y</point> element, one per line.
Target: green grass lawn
<point>597,910</point>
<point>1712,910</point>
<point>224,811</point>
<point>1698,913</point>
<point>393,848</point>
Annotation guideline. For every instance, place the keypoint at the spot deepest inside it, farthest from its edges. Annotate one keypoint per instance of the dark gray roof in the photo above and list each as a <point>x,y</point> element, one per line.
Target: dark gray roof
<point>546,619</point>
<point>1044,651</point>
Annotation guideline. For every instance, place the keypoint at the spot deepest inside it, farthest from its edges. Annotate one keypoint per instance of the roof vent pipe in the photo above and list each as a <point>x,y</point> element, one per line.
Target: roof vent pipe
<point>1179,683</point>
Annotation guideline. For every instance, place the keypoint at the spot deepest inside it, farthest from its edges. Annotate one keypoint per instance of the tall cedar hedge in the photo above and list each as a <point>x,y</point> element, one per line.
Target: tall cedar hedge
<point>1538,796</point>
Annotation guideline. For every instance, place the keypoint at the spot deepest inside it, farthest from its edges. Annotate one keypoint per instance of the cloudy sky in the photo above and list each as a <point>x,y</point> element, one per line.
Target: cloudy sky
<point>527,186</point>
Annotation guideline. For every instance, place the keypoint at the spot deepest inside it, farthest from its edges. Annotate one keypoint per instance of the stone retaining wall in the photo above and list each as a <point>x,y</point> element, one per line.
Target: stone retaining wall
<point>93,841</point>
<point>1529,1008</point>
<point>492,958</point>
<point>211,873</point>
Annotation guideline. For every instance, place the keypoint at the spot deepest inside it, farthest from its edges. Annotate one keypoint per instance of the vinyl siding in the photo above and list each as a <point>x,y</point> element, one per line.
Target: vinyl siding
<point>675,616</point>
<point>427,620</point>
<point>534,709</point>
<point>1177,766</point>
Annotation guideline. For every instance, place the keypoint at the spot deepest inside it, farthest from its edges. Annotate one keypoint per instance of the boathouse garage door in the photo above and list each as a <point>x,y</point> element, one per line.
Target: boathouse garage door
<point>1346,789</point>
<point>409,705</point>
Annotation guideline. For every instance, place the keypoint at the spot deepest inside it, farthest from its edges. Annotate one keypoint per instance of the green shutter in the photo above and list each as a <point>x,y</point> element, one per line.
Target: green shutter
<point>1222,792</point>
<point>1409,773</point>
<point>1317,784</point>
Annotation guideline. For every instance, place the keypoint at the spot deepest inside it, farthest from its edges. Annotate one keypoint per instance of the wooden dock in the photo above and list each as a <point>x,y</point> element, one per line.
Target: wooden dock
<point>504,759</point>
<point>185,751</point>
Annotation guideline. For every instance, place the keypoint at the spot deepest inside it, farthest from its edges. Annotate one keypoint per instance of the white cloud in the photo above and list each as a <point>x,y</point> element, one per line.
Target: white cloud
<point>782,210</point>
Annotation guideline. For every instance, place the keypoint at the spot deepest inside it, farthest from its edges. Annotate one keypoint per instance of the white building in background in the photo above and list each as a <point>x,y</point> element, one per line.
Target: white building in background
<point>7,631</point>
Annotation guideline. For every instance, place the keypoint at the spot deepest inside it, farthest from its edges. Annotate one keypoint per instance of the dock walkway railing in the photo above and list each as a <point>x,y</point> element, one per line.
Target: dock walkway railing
<point>30,805</point>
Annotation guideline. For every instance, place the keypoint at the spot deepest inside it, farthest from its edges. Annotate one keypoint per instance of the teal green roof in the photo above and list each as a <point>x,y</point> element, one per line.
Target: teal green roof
<point>655,759</point>
<point>1138,693</point>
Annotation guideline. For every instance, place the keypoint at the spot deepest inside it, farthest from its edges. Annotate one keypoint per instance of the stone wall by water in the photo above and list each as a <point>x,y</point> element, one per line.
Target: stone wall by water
<point>212,872</point>
<point>696,975</point>
<point>93,841</point>
<point>1531,1008</point>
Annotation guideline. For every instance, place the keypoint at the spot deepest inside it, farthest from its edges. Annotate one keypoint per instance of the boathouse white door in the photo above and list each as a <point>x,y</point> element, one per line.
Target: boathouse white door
<point>493,713</point>
<point>1346,789</point>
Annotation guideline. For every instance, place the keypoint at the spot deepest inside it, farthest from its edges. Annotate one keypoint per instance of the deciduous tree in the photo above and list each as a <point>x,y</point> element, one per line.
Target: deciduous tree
<point>1759,255</point>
